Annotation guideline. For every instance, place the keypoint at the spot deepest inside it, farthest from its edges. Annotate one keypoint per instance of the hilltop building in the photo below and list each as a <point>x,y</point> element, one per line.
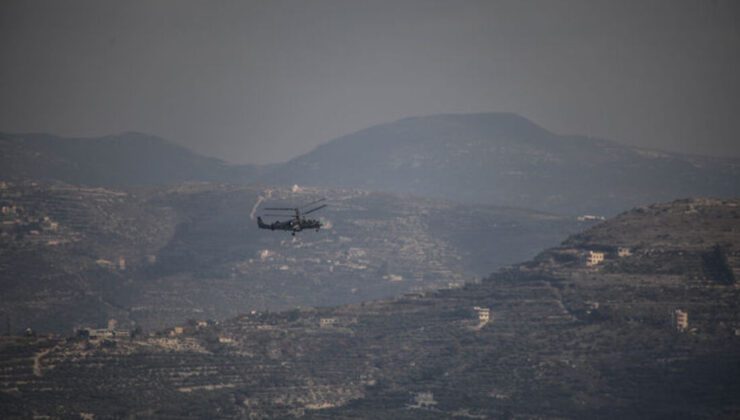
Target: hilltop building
<point>111,331</point>
<point>590,218</point>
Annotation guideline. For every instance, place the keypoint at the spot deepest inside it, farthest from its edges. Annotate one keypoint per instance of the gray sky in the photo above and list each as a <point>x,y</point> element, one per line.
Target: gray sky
<point>266,81</point>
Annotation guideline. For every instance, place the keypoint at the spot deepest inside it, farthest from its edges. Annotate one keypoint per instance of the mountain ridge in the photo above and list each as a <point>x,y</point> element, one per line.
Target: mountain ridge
<point>505,159</point>
<point>500,159</point>
<point>126,159</point>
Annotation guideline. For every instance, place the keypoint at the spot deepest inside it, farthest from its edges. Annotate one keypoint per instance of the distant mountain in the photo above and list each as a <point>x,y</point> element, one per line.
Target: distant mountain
<point>552,338</point>
<point>496,159</point>
<point>505,159</point>
<point>129,159</point>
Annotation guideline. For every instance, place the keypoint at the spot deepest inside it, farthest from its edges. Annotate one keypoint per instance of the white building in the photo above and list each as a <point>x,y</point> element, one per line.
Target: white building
<point>327,322</point>
<point>484,314</point>
<point>424,400</point>
<point>680,320</point>
<point>590,218</point>
<point>623,252</point>
<point>594,258</point>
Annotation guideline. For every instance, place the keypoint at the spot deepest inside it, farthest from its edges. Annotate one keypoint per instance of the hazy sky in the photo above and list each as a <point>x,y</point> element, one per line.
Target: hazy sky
<point>265,81</point>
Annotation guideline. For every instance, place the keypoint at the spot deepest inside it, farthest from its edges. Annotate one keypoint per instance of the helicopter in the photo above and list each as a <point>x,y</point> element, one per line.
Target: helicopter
<point>297,223</point>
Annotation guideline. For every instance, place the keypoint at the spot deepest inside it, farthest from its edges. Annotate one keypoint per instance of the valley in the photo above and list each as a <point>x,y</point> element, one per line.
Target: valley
<point>562,338</point>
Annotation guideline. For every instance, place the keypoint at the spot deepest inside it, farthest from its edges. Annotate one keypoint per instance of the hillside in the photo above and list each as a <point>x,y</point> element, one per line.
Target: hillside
<point>563,340</point>
<point>129,159</point>
<point>73,256</point>
<point>506,160</point>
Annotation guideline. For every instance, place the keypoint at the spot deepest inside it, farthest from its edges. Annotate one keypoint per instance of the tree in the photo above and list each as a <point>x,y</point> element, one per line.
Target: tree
<point>716,266</point>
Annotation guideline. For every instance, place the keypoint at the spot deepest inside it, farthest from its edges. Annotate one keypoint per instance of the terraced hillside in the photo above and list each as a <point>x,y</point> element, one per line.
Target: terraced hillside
<point>565,338</point>
<point>74,256</point>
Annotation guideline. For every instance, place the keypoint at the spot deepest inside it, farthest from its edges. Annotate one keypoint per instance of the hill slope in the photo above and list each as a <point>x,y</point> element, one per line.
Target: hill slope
<point>127,159</point>
<point>565,340</point>
<point>162,256</point>
<point>504,159</point>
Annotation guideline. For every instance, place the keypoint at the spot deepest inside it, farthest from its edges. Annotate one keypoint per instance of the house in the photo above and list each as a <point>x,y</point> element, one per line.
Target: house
<point>424,400</point>
<point>327,322</point>
<point>484,314</point>
<point>110,332</point>
<point>680,320</point>
<point>623,252</point>
<point>591,307</point>
<point>9,209</point>
<point>594,258</point>
<point>393,277</point>
<point>97,333</point>
<point>590,218</point>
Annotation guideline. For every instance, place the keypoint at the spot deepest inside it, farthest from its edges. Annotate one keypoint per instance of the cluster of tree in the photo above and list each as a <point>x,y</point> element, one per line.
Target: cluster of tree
<point>716,267</point>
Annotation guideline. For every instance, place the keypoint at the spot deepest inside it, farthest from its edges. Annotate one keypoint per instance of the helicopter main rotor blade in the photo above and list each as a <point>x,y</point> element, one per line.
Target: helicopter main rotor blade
<point>280,208</point>
<point>313,202</point>
<point>276,215</point>
<point>313,210</point>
